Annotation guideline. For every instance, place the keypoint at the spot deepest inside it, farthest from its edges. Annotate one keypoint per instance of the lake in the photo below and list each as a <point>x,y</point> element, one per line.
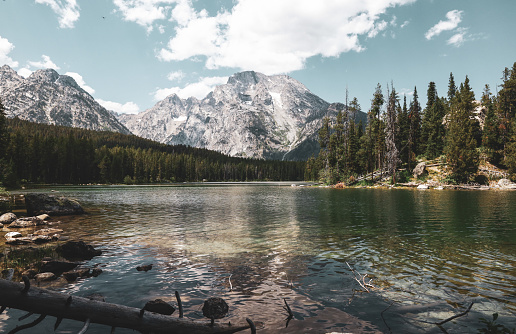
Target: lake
<point>430,254</point>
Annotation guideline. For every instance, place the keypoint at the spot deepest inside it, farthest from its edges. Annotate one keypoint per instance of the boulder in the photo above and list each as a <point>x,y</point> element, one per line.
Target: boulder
<point>45,277</point>
<point>27,222</point>
<point>38,204</point>
<point>75,274</point>
<point>7,218</point>
<point>159,306</point>
<point>57,267</point>
<point>422,186</point>
<point>96,272</point>
<point>215,308</point>
<point>41,239</point>
<point>78,250</point>
<point>11,235</point>
<point>419,169</point>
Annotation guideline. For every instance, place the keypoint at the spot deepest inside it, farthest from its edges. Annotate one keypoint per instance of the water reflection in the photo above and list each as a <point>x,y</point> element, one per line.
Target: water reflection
<point>430,252</point>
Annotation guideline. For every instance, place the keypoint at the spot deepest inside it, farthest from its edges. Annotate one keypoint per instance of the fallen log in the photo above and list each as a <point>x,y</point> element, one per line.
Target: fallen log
<point>61,305</point>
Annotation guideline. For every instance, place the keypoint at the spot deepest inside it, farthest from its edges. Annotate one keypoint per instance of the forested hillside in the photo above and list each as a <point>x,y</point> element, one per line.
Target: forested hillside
<point>38,153</point>
<point>455,129</point>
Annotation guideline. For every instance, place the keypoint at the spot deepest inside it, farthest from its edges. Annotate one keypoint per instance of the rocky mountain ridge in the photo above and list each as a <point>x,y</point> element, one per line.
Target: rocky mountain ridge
<point>50,98</point>
<point>253,115</point>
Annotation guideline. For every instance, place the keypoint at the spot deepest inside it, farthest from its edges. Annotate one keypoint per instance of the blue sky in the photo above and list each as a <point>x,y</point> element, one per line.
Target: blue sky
<point>129,54</point>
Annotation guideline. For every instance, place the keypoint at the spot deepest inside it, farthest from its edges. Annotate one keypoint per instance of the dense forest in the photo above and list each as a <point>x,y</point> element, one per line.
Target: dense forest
<point>40,153</point>
<point>455,129</point>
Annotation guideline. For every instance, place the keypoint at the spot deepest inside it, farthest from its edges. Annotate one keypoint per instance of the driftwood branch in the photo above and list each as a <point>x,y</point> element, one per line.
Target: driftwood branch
<point>62,305</point>
<point>455,316</point>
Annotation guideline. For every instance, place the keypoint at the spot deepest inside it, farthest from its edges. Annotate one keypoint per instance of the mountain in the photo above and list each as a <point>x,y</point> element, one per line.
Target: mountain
<point>50,98</point>
<point>253,115</point>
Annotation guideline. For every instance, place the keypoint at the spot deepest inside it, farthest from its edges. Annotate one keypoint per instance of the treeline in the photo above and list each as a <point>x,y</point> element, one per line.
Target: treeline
<point>40,153</point>
<point>455,128</point>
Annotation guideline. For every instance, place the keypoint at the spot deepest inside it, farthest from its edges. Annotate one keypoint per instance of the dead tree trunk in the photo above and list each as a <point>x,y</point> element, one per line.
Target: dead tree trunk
<point>61,305</point>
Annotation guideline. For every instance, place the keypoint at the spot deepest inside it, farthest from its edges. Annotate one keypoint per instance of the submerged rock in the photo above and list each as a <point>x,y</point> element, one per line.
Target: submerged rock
<point>78,250</point>
<point>38,204</point>
<point>159,306</point>
<point>145,268</point>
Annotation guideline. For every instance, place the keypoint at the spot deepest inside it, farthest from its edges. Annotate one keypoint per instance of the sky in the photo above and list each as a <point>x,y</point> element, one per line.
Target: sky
<point>130,54</point>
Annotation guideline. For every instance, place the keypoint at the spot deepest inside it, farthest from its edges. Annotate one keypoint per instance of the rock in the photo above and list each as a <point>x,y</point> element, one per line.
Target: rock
<point>75,274</point>
<point>10,235</point>
<point>422,186</point>
<point>57,267</point>
<point>1,225</point>
<point>41,239</point>
<point>78,250</point>
<point>27,222</point>
<point>7,218</point>
<point>159,306</point>
<point>215,308</point>
<point>48,231</point>
<point>96,272</point>
<point>419,170</point>
<point>145,268</point>
<point>18,241</point>
<point>38,204</point>
<point>43,217</point>
<point>30,273</point>
<point>45,277</point>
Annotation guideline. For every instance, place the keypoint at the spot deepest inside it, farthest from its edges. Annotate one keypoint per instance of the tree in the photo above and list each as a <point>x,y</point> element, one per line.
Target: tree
<point>452,89</point>
<point>491,140</point>
<point>433,130</point>
<point>414,128</point>
<point>402,137</point>
<point>392,153</point>
<point>461,146</point>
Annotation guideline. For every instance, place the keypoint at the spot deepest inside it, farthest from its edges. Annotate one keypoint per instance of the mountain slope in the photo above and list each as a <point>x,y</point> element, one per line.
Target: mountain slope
<point>253,115</point>
<point>50,98</point>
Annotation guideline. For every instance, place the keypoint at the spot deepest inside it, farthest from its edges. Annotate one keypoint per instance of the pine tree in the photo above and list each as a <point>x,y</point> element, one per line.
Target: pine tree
<point>452,89</point>
<point>491,140</point>
<point>461,146</point>
<point>414,129</point>
<point>392,153</point>
<point>433,130</point>
<point>402,136</point>
<point>377,127</point>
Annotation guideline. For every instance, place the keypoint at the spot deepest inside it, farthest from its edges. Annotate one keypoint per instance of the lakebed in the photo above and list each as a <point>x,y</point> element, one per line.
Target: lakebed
<point>430,253</point>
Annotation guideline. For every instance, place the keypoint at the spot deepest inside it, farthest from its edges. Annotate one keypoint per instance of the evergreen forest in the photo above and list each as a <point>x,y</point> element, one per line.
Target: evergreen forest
<point>48,154</point>
<point>454,130</point>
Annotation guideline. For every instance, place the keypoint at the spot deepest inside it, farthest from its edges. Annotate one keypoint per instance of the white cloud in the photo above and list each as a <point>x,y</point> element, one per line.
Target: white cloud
<point>454,17</point>
<point>80,81</point>
<point>273,36</point>
<point>176,76</point>
<point>5,48</point>
<point>144,12</point>
<point>404,24</point>
<point>45,63</point>
<point>380,26</point>
<point>198,89</point>
<point>66,10</point>
<point>126,108</point>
